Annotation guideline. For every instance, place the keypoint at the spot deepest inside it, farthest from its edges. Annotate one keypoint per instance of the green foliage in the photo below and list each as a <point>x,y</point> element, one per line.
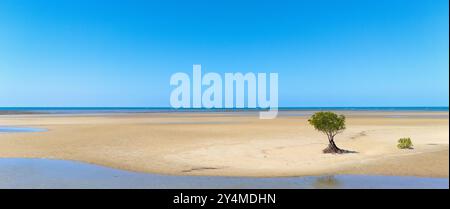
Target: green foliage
<point>405,143</point>
<point>328,122</point>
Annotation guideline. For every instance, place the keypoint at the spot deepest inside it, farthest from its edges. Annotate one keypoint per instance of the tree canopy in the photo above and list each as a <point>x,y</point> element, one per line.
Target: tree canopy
<point>328,122</point>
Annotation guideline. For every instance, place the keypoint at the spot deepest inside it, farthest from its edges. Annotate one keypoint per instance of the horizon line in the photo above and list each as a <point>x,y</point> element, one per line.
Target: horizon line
<point>168,107</point>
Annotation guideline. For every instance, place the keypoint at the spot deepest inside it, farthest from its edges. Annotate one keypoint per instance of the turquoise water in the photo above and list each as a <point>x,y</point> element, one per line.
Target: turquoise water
<point>45,173</point>
<point>73,110</point>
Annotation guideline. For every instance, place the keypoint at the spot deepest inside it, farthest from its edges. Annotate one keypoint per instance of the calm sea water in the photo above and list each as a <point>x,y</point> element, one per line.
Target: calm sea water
<point>45,173</point>
<point>81,110</point>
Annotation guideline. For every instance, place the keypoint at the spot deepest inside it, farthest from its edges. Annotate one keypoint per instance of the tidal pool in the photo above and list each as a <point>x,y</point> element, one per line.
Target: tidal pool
<point>46,173</point>
<point>8,129</point>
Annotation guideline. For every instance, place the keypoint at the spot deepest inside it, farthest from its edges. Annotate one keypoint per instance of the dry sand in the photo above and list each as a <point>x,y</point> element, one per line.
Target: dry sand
<point>233,144</point>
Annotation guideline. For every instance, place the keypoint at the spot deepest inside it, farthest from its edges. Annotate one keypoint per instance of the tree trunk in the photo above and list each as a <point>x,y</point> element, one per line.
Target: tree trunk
<point>332,148</point>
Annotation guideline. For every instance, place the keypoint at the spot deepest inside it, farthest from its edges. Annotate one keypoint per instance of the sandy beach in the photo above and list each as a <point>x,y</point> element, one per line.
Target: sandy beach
<point>235,144</point>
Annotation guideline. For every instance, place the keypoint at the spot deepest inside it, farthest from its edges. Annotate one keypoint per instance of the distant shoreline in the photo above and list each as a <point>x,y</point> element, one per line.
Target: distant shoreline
<point>93,110</point>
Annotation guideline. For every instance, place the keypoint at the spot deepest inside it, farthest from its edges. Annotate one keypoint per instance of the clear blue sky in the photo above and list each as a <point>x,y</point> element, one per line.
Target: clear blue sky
<point>122,53</point>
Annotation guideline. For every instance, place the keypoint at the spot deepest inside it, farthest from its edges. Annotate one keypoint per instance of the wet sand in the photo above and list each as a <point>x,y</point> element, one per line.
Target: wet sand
<point>235,144</point>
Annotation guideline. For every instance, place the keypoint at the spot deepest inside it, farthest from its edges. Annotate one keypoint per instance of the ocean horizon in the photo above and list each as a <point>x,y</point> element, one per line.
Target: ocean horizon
<point>74,110</point>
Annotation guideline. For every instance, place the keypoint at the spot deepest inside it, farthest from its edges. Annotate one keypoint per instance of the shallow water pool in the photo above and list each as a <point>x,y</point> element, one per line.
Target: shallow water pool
<point>8,129</point>
<point>47,173</point>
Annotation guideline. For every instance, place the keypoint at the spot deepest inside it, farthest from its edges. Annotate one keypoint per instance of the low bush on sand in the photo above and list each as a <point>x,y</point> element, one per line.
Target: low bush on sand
<point>405,143</point>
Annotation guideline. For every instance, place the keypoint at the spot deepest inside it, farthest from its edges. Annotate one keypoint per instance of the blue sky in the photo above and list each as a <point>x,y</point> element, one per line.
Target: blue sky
<point>122,53</point>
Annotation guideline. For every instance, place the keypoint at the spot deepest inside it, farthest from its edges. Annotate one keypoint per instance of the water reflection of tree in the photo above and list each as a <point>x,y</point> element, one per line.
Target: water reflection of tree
<point>327,182</point>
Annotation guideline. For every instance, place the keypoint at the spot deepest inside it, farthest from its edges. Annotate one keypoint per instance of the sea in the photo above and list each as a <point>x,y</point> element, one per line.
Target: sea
<point>88,110</point>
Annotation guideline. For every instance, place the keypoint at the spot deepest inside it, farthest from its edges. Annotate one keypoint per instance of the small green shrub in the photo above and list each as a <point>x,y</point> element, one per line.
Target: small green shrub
<point>405,143</point>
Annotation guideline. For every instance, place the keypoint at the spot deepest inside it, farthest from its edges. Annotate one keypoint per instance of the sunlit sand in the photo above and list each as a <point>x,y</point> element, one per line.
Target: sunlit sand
<point>234,144</point>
